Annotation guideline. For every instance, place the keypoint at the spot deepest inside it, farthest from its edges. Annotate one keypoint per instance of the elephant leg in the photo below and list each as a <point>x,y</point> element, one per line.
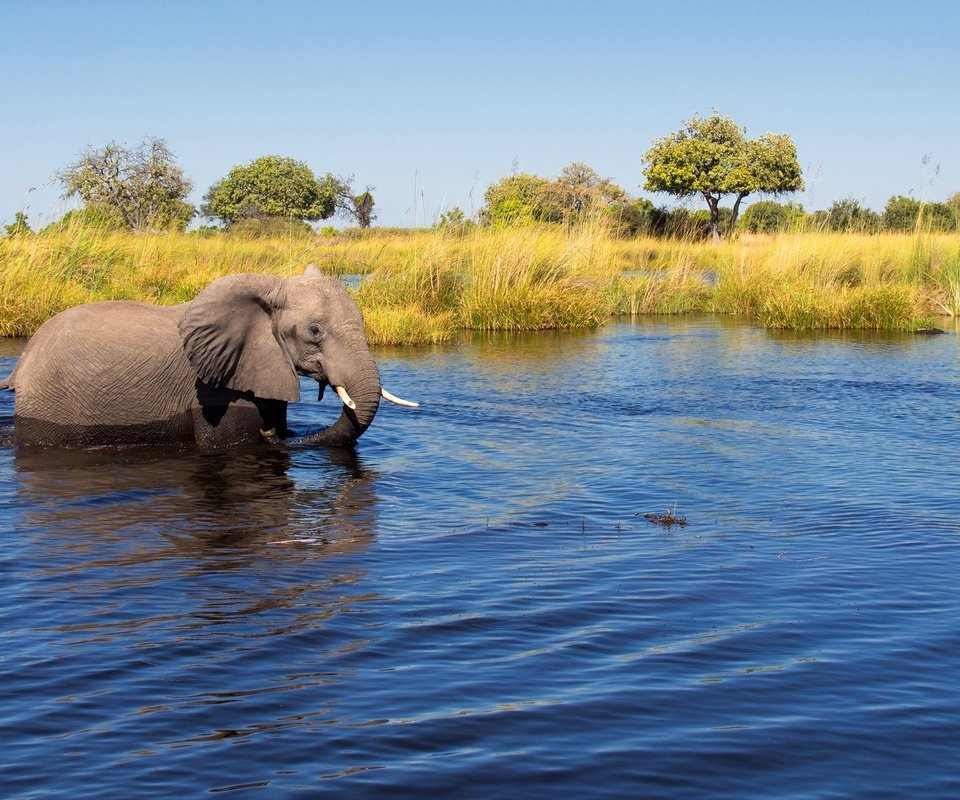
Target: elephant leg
<point>242,420</point>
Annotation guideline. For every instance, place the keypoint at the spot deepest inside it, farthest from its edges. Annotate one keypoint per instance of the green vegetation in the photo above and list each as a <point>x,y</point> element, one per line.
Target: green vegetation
<point>712,158</point>
<point>139,188</point>
<point>543,253</point>
<point>767,216</point>
<point>271,186</point>
<point>358,208</point>
<point>422,286</point>
<point>19,226</point>
<point>577,194</point>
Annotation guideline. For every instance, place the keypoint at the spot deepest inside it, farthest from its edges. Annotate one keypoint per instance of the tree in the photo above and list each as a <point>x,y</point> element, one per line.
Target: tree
<point>901,213</point>
<point>850,216</point>
<point>271,186</point>
<point>712,157</point>
<point>521,197</point>
<point>580,189</point>
<point>577,192</point>
<point>941,216</point>
<point>631,218</point>
<point>141,185</point>
<point>19,226</point>
<point>359,207</point>
<point>905,214</point>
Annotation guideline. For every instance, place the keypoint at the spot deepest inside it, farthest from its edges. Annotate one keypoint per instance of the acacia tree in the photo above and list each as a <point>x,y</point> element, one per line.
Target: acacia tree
<point>712,157</point>
<point>271,186</point>
<point>141,185</point>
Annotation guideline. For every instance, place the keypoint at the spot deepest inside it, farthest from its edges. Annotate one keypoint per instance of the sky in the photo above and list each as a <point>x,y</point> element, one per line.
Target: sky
<point>431,102</point>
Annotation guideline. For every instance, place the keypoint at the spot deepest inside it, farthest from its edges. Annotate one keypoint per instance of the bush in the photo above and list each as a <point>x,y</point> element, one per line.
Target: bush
<point>19,227</point>
<point>849,216</point>
<point>768,216</point>
<point>906,215</point>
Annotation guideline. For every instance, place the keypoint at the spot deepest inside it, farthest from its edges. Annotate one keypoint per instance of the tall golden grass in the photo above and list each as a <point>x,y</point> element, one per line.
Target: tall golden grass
<point>423,286</point>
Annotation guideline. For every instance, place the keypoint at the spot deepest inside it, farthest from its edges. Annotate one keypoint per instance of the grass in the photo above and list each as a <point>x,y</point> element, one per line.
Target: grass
<point>423,286</point>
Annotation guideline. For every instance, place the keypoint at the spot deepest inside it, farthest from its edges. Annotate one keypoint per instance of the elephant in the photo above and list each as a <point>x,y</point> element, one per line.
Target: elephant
<point>218,370</point>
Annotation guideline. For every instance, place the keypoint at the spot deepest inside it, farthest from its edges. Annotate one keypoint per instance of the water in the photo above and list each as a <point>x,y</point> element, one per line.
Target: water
<point>473,604</point>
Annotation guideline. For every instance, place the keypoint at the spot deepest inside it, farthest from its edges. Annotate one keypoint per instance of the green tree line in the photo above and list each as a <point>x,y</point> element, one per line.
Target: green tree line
<point>142,188</point>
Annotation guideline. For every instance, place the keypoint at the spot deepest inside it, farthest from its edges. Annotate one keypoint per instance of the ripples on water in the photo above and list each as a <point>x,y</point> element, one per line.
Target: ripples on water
<point>472,604</point>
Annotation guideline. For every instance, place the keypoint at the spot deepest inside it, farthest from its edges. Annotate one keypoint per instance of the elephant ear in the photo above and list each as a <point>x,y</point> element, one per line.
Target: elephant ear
<point>227,333</point>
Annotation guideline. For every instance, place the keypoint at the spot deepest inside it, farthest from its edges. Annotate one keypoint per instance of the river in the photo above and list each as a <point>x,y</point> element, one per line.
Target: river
<point>473,603</point>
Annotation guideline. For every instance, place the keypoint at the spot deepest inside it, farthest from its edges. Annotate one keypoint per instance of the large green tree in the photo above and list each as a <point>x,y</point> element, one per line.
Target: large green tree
<point>712,157</point>
<point>140,186</point>
<point>271,186</point>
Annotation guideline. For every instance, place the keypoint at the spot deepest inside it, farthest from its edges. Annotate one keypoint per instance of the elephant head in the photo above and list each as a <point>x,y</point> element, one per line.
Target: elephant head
<point>257,333</point>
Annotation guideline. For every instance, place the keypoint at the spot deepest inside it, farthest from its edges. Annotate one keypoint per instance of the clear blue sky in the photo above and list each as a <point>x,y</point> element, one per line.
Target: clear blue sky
<point>430,102</point>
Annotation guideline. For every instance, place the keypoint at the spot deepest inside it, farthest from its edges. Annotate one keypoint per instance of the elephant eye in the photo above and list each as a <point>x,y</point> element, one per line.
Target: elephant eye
<point>316,332</point>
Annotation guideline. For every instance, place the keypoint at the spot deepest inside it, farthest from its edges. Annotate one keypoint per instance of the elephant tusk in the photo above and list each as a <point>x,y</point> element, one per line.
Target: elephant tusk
<point>345,397</point>
<point>394,399</point>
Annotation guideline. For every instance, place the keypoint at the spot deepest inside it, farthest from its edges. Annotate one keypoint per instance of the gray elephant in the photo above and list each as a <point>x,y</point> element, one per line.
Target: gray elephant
<point>218,370</point>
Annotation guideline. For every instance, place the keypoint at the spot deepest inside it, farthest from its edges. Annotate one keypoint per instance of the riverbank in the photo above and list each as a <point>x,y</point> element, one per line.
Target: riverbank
<point>426,285</point>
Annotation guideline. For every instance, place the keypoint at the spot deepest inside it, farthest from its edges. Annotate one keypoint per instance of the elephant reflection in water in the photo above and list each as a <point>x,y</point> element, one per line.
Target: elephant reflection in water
<point>126,542</point>
<point>202,504</point>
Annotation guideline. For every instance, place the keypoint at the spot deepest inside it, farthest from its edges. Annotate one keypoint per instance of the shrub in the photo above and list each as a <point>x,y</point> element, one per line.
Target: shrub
<point>850,216</point>
<point>768,216</point>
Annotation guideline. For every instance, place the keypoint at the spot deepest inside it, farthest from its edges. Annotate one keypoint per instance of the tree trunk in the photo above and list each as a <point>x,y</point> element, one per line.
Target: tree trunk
<point>736,211</point>
<point>714,204</point>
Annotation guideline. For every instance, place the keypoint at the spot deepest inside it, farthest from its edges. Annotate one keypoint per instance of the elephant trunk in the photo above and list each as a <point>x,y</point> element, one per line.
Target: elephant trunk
<point>362,384</point>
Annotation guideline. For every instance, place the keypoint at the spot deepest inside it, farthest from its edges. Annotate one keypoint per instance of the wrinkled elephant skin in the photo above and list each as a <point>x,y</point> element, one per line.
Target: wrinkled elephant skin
<point>218,370</point>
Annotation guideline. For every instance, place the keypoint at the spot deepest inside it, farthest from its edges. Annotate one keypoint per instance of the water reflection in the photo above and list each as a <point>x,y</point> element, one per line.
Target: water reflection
<point>201,504</point>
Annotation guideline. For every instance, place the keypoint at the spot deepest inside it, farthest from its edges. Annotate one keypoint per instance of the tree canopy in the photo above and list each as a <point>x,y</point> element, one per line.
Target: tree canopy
<point>140,186</point>
<point>907,214</point>
<point>712,157</point>
<point>578,190</point>
<point>271,186</point>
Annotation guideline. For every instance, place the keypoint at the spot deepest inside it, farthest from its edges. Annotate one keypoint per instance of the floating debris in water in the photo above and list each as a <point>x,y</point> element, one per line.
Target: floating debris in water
<point>667,520</point>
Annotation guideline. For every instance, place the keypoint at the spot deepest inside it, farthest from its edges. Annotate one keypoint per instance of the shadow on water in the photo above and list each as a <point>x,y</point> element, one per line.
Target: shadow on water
<point>195,505</point>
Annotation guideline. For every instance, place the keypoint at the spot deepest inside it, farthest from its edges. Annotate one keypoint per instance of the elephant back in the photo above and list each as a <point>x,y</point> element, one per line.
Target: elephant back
<point>117,363</point>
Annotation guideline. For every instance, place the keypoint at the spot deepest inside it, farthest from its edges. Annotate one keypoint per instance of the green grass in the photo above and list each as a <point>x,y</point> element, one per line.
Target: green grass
<point>423,286</point>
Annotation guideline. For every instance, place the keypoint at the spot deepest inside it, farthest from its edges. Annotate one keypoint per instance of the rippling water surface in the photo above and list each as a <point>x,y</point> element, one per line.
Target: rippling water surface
<point>473,605</point>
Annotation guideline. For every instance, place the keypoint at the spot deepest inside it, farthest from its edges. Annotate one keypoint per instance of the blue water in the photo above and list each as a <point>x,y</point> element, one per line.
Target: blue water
<point>473,605</point>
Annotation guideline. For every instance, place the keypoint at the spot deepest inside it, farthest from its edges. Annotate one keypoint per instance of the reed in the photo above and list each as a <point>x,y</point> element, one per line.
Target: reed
<point>396,325</point>
<point>43,274</point>
<point>527,278</point>
<point>423,285</point>
<point>803,308</point>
